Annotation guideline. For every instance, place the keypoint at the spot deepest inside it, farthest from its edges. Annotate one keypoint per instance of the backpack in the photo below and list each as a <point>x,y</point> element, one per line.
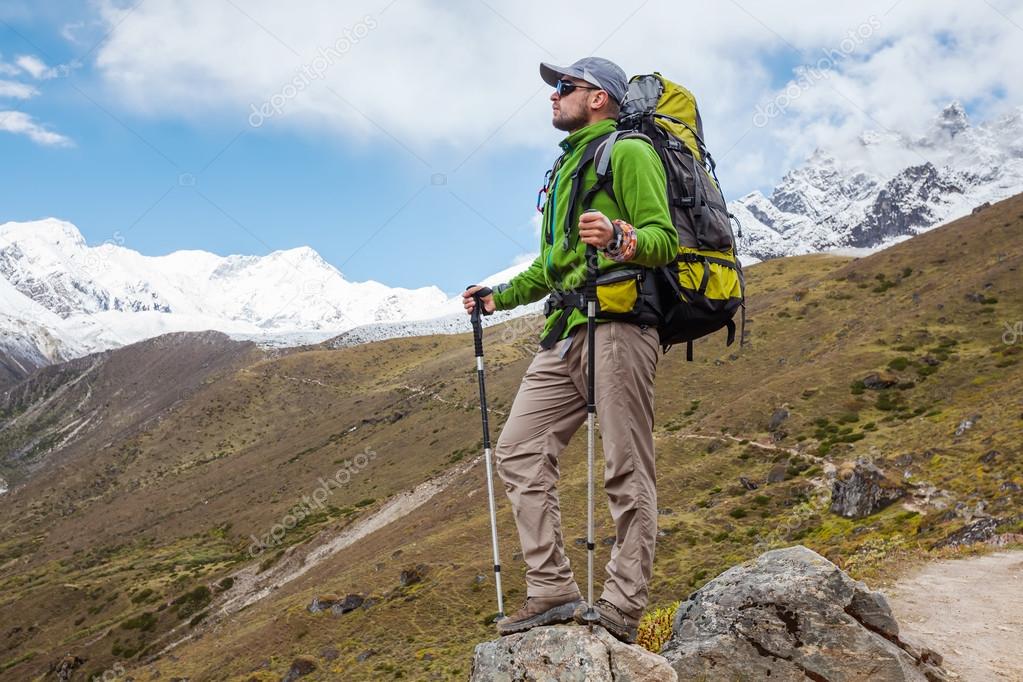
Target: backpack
<point>701,291</point>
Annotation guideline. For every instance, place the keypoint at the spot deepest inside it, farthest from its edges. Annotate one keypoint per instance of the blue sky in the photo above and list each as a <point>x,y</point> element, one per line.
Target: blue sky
<point>416,160</point>
<point>221,185</point>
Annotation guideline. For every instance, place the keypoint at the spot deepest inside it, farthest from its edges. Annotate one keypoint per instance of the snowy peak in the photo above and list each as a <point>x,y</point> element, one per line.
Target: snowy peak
<point>109,295</point>
<point>952,120</point>
<point>886,187</point>
<point>54,233</point>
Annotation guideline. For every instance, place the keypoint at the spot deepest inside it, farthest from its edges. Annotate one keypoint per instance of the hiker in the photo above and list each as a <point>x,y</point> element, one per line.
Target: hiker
<point>632,228</point>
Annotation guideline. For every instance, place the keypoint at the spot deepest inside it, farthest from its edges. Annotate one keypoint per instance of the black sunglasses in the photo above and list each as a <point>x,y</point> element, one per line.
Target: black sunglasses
<point>564,87</point>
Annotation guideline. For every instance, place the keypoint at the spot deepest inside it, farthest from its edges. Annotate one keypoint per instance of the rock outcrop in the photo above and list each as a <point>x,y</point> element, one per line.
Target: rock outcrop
<point>788,616</point>
<point>566,653</point>
<point>861,489</point>
<point>792,615</point>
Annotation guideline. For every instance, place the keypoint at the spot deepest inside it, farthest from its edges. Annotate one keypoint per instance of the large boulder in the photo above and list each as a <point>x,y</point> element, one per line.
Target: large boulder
<point>792,615</point>
<point>861,489</point>
<point>566,653</point>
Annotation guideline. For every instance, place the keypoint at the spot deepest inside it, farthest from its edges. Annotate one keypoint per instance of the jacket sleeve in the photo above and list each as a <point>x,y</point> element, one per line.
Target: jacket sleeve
<point>640,186</point>
<point>527,286</point>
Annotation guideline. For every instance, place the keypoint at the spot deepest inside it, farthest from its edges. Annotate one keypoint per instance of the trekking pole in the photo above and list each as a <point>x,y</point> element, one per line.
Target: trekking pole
<point>477,334</point>
<point>591,616</point>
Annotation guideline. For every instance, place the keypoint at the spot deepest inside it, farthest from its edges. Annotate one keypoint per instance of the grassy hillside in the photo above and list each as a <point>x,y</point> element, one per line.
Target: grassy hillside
<point>116,551</point>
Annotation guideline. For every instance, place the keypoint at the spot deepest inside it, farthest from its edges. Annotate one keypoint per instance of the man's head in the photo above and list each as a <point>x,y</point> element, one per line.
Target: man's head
<point>590,90</point>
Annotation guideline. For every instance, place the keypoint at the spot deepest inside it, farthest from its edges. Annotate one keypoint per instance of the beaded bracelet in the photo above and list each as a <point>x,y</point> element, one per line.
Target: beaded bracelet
<point>627,246</point>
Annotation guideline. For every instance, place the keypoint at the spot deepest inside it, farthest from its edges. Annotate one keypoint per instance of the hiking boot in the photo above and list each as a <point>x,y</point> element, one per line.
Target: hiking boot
<point>540,611</point>
<point>621,625</point>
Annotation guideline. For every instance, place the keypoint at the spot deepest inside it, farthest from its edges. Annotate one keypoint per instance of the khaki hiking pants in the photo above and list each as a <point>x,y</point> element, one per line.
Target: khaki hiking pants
<point>551,406</point>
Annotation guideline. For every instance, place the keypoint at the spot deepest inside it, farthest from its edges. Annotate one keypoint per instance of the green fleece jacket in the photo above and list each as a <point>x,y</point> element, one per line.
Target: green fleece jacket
<point>640,186</point>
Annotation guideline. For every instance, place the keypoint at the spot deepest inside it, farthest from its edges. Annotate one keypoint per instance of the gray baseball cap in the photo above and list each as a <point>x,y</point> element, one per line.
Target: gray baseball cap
<point>603,73</point>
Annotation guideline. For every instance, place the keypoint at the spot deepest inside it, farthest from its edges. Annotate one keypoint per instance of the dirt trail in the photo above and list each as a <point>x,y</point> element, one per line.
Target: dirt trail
<point>968,610</point>
<point>252,585</point>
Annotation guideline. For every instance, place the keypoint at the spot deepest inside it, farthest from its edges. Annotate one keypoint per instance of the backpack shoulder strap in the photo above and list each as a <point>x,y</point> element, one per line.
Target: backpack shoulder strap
<point>602,163</point>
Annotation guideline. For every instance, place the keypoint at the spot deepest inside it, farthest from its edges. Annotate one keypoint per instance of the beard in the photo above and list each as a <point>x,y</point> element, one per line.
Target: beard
<point>569,120</point>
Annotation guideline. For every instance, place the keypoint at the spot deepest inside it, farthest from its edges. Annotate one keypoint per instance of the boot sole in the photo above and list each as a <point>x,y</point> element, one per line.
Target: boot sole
<point>564,613</point>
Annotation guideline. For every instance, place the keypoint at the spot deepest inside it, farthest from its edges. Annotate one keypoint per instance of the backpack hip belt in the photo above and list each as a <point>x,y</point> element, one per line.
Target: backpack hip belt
<point>625,294</point>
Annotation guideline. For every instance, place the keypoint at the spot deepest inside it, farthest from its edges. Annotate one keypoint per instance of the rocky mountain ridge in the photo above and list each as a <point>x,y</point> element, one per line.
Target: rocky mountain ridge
<point>887,187</point>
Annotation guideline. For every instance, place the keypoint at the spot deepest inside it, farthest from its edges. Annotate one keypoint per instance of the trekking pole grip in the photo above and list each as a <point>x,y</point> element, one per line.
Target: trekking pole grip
<point>478,309</point>
<point>591,265</point>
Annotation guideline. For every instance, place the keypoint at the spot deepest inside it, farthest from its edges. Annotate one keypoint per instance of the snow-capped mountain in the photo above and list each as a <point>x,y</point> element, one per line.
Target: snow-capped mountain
<point>60,298</point>
<point>30,335</point>
<point>886,187</point>
<point>293,290</point>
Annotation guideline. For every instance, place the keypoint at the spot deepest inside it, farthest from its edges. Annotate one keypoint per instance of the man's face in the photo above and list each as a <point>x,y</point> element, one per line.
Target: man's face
<point>571,111</point>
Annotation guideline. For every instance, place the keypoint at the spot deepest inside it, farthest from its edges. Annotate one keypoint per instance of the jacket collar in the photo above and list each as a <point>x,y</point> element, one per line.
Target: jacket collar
<point>581,137</point>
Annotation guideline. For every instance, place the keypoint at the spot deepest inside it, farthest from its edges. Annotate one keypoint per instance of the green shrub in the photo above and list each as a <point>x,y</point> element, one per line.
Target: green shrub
<point>887,402</point>
<point>192,602</point>
<point>655,628</point>
<point>144,621</point>
<point>898,364</point>
<point>883,284</point>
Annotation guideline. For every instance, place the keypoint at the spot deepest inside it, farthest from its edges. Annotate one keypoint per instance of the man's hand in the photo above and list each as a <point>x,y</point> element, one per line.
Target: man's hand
<point>469,302</point>
<point>595,229</point>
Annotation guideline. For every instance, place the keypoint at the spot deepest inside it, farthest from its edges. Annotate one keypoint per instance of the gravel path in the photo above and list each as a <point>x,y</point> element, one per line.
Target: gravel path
<point>968,610</point>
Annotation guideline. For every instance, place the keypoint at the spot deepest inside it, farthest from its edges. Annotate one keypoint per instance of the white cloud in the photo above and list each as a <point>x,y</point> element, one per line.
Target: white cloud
<point>16,90</point>
<point>20,123</point>
<point>536,221</point>
<point>35,67</point>
<point>436,76</point>
<point>72,31</point>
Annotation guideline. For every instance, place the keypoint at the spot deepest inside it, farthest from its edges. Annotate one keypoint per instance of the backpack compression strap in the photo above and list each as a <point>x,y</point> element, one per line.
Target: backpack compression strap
<point>576,178</point>
<point>563,301</point>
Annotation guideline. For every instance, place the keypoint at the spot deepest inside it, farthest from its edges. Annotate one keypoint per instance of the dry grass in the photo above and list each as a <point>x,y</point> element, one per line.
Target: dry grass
<point>171,507</point>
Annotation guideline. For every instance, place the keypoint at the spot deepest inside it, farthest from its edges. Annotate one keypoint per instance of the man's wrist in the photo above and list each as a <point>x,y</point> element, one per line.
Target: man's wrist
<point>497,293</point>
<point>623,248</point>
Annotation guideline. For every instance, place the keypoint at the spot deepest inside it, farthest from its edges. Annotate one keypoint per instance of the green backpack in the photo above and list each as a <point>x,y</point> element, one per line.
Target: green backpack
<point>701,291</point>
